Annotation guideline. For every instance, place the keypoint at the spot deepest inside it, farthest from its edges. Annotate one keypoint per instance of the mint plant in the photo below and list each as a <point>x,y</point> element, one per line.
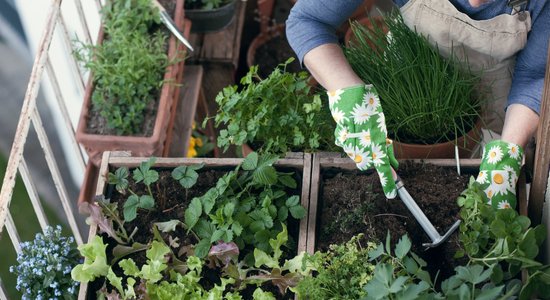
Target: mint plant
<point>248,205</point>
<point>128,66</point>
<point>44,265</point>
<point>502,240</point>
<point>277,114</point>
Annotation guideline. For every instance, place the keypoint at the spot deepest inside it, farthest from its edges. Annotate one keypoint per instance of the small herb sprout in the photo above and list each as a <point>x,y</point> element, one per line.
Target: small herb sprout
<point>142,174</point>
<point>44,266</point>
<point>187,175</point>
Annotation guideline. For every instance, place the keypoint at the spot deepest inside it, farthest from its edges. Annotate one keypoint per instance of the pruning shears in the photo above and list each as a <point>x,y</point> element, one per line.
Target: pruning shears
<point>169,23</point>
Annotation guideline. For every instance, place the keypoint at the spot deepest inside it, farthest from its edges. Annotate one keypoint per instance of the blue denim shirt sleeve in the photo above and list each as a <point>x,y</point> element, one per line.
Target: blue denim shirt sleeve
<point>528,77</point>
<point>312,23</point>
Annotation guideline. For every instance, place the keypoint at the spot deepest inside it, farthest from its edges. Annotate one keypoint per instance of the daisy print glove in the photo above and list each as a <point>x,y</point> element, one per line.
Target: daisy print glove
<point>499,171</point>
<point>361,132</point>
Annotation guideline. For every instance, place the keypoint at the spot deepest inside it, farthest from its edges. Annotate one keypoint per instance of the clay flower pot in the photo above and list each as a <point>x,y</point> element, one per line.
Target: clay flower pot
<point>466,147</point>
<point>153,145</point>
<point>211,20</point>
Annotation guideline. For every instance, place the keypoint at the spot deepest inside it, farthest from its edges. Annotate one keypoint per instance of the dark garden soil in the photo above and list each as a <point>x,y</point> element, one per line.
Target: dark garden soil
<point>353,202</point>
<point>274,52</point>
<point>171,200</point>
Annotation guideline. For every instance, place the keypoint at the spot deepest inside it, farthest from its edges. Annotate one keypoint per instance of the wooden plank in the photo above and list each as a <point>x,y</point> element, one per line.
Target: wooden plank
<point>306,184</point>
<point>224,45</point>
<point>56,175</point>
<point>3,294</point>
<point>542,154</point>
<point>192,93</point>
<point>522,192</point>
<point>29,104</point>
<point>13,234</point>
<point>169,161</point>
<point>33,194</point>
<point>64,114</point>
<point>313,203</point>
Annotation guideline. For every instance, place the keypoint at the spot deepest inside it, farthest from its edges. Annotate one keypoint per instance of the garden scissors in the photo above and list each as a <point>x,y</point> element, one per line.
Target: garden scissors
<point>419,215</point>
<point>167,20</point>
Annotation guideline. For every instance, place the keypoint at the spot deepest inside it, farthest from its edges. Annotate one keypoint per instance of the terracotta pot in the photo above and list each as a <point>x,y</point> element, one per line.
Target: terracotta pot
<point>466,146</point>
<point>211,20</point>
<point>261,39</point>
<point>96,144</point>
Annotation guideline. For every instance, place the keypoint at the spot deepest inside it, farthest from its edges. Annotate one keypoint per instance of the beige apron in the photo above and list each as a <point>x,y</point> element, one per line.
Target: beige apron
<point>489,46</point>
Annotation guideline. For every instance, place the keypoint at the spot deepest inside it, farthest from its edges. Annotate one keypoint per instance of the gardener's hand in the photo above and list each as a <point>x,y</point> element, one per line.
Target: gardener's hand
<point>498,173</point>
<point>361,132</point>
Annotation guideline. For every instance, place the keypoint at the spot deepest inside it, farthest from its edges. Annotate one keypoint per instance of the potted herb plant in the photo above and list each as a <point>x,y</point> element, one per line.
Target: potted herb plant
<point>280,113</point>
<point>220,228</point>
<point>427,99</point>
<point>132,84</point>
<point>209,15</point>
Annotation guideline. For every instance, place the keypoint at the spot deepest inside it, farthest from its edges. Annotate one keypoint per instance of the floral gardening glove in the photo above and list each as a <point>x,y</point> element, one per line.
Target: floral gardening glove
<point>498,173</point>
<point>361,132</point>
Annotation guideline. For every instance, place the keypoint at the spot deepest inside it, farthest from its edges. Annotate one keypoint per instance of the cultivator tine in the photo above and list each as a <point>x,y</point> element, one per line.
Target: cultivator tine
<point>419,215</point>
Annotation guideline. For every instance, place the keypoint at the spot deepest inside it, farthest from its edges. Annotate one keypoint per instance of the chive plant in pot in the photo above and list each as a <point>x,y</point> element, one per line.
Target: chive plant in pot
<point>209,15</point>
<point>187,228</point>
<point>278,114</point>
<point>132,84</point>
<point>428,100</point>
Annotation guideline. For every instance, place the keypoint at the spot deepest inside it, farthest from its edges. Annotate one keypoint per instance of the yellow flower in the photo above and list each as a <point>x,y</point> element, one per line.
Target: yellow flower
<point>191,152</point>
<point>198,142</point>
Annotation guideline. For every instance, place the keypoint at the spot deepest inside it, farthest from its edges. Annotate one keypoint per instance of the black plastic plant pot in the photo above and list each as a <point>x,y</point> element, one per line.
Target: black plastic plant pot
<point>211,20</point>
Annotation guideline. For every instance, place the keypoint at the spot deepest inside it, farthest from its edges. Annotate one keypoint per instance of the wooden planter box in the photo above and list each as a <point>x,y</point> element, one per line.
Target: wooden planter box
<point>301,162</point>
<point>95,144</point>
<point>327,160</point>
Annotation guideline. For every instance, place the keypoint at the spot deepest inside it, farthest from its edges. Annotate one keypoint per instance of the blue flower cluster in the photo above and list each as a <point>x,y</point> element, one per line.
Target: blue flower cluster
<point>44,266</point>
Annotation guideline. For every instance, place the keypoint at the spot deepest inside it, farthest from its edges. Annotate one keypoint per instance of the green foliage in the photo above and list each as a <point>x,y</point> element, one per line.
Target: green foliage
<point>426,98</point>
<point>95,261</point>
<point>341,272</point>
<point>503,239</point>
<point>44,264</point>
<point>248,205</point>
<point>277,114</point>
<point>142,174</point>
<point>128,66</point>
<point>187,175</point>
<point>398,275</point>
